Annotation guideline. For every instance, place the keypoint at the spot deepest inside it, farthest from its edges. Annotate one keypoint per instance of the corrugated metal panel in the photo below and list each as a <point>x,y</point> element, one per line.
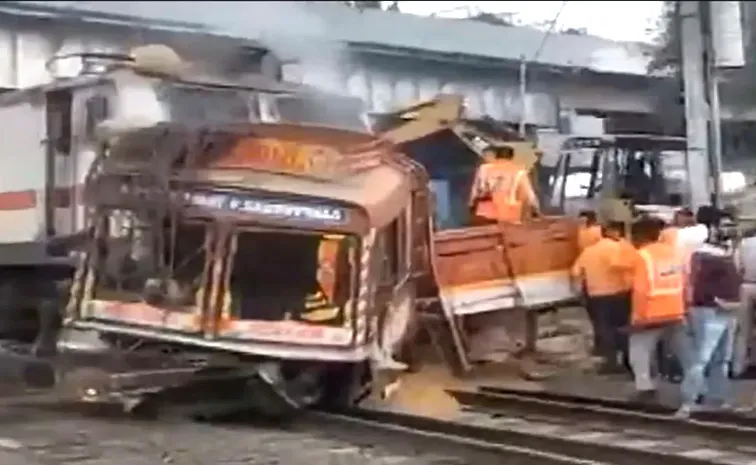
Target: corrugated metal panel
<point>334,21</point>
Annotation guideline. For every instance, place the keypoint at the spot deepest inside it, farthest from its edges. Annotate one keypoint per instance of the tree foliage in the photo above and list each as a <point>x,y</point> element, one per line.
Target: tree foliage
<point>666,57</point>
<point>740,84</point>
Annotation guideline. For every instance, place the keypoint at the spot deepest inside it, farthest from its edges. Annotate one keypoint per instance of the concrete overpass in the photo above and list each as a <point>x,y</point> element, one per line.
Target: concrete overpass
<point>386,58</point>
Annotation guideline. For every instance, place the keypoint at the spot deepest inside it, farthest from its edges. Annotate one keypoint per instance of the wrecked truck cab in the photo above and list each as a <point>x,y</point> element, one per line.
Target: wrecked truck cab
<point>278,244</point>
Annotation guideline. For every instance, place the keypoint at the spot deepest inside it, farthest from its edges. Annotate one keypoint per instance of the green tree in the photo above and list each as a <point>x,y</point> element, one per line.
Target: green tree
<point>666,55</point>
<point>740,84</point>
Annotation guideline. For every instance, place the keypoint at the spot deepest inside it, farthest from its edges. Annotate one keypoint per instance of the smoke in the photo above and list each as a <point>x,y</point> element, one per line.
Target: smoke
<point>294,31</point>
<point>291,29</point>
<point>299,34</point>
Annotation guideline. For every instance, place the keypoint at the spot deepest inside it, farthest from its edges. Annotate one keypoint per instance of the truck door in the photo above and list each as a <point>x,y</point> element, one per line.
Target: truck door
<point>396,288</point>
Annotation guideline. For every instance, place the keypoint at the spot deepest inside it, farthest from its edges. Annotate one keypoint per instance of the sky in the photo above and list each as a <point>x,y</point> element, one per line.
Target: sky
<point>616,20</point>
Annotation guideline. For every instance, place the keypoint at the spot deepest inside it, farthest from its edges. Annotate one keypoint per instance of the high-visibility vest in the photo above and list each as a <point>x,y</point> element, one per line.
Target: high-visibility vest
<point>501,179</point>
<point>658,285</point>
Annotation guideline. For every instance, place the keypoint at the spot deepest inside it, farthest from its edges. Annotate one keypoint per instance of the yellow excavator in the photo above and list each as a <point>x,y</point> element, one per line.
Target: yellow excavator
<point>512,270</point>
<point>520,269</point>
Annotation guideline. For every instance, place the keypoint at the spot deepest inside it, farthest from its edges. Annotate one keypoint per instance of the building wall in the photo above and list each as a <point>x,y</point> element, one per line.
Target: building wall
<point>26,46</point>
<point>383,82</point>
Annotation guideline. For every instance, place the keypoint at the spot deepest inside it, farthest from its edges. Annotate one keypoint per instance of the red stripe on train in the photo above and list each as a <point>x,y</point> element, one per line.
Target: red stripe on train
<point>26,199</point>
<point>18,200</point>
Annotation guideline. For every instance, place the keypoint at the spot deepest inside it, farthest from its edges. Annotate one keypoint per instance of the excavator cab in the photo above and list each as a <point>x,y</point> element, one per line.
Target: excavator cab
<point>617,176</point>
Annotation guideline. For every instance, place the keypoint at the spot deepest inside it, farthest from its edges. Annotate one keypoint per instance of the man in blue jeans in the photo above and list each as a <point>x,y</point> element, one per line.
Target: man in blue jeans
<point>714,295</point>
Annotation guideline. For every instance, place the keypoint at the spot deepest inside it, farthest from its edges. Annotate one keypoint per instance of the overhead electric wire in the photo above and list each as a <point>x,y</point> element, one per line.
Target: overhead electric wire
<point>524,65</point>
<point>548,33</point>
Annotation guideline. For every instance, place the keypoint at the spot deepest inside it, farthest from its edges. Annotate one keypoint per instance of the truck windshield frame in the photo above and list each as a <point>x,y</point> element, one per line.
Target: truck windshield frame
<point>329,302</point>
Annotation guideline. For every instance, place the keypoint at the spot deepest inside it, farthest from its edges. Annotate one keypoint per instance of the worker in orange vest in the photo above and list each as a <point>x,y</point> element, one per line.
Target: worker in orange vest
<point>501,190</point>
<point>481,202</point>
<point>658,303</point>
<point>590,231</point>
<point>601,271</point>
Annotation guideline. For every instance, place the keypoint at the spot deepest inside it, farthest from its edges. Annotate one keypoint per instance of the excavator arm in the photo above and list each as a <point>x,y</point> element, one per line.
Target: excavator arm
<point>446,112</point>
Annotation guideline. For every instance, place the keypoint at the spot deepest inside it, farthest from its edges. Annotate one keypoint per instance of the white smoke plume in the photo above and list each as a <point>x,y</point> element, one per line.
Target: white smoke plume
<point>294,31</point>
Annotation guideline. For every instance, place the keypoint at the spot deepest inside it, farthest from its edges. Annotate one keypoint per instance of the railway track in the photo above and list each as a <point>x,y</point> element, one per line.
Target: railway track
<point>359,437</point>
<point>607,431</point>
<point>496,426</point>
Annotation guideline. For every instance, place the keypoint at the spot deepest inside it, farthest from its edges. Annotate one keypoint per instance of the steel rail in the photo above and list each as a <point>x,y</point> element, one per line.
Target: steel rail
<point>423,434</point>
<point>503,403</point>
<point>474,436</point>
<point>744,419</point>
<point>513,403</point>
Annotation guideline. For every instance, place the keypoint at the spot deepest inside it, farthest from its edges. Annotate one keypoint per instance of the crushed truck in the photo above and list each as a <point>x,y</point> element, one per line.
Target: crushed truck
<point>172,230</point>
<point>180,232</point>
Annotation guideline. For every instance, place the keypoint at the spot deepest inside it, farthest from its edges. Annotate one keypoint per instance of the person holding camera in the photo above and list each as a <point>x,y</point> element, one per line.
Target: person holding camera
<point>714,296</point>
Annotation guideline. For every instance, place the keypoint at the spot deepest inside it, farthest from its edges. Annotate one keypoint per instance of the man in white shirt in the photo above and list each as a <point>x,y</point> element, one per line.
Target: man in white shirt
<point>690,235</point>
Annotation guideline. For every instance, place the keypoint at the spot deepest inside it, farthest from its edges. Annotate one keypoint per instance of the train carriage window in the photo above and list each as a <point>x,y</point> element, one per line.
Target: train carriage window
<point>59,120</point>
<point>97,111</point>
